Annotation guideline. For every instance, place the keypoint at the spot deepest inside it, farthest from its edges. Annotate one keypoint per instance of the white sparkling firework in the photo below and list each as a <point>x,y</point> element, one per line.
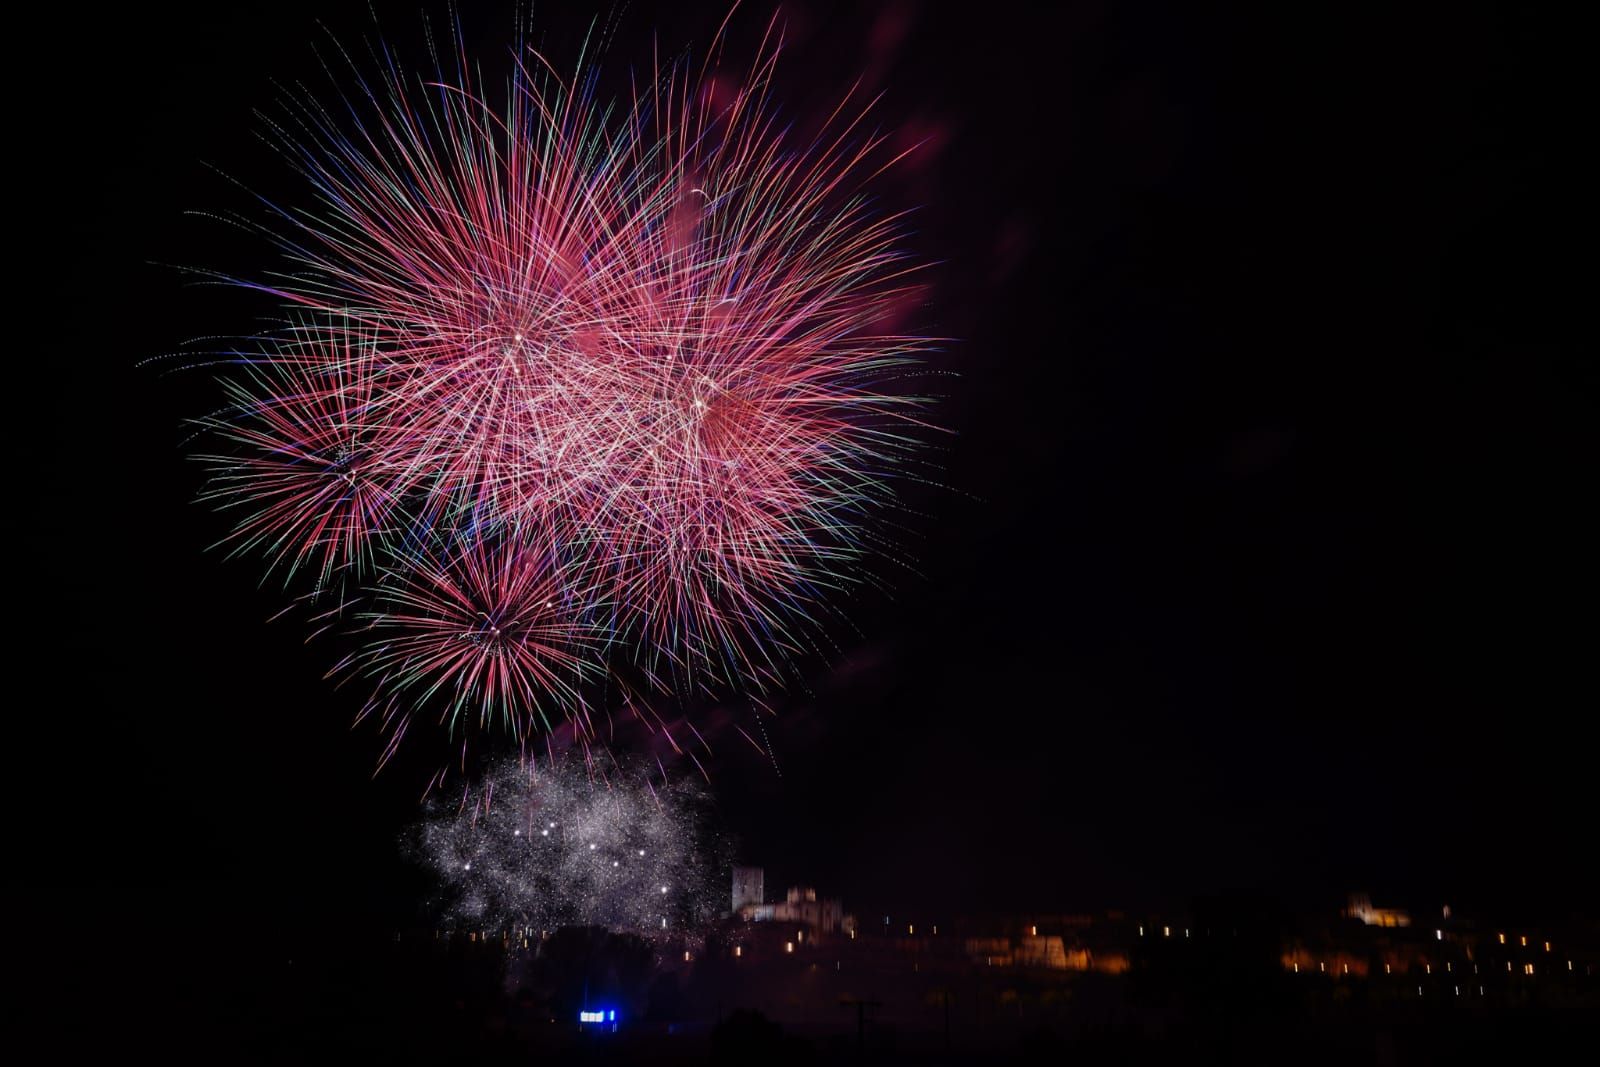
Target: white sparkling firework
<point>575,844</point>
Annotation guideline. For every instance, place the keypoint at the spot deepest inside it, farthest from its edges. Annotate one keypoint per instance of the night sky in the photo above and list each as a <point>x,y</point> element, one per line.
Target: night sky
<point>1265,560</point>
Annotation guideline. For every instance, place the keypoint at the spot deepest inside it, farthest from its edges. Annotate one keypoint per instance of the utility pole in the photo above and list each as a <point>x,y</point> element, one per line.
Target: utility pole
<point>861,1007</point>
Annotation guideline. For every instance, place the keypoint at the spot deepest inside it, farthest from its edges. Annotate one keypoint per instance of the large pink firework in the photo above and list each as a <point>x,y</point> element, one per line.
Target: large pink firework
<point>625,365</point>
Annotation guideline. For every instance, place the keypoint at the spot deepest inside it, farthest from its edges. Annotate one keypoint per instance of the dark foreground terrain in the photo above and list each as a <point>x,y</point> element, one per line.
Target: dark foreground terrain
<point>389,1000</point>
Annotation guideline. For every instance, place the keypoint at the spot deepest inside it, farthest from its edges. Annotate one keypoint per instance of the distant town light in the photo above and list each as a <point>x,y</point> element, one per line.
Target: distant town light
<point>1438,935</point>
<point>788,946</point>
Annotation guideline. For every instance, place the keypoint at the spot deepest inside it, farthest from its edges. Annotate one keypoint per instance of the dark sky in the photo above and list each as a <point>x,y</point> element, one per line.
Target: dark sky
<point>1266,559</point>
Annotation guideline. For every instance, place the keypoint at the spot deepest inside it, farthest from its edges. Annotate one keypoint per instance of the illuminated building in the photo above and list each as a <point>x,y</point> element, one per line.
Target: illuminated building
<point>1361,908</point>
<point>800,905</point>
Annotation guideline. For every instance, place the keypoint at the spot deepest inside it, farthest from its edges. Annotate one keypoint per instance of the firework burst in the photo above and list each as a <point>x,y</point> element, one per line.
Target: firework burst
<point>574,843</point>
<point>625,364</point>
<point>490,633</point>
<point>309,469</point>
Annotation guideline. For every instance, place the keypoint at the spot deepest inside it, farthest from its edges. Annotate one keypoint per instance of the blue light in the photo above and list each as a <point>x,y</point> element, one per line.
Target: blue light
<point>611,1016</point>
<point>608,1015</point>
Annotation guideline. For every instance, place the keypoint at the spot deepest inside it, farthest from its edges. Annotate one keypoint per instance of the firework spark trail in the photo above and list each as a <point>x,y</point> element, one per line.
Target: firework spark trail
<point>574,843</point>
<point>635,354</point>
